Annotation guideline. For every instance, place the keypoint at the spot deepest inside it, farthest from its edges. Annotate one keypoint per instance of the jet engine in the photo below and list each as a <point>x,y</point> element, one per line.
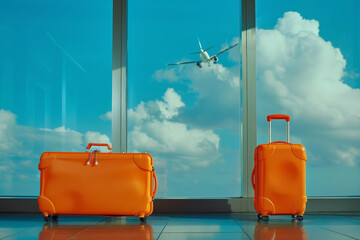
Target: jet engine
<point>215,59</point>
<point>199,64</point>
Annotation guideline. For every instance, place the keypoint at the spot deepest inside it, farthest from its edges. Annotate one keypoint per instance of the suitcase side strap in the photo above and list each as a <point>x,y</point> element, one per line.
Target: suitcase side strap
<point>253,178</point>
<point>155,189</point>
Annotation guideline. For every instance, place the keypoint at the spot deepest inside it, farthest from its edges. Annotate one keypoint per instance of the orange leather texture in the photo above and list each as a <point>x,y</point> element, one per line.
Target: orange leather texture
<point>122,184</point>
<point>99,231</point>
<point>279,179</point>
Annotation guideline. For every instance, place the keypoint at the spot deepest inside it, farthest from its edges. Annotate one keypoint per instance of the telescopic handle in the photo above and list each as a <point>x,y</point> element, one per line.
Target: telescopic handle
<point>279,116</point>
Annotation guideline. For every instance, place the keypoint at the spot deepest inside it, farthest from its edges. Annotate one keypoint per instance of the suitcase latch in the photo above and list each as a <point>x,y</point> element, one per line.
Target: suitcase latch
<point>89,161</point>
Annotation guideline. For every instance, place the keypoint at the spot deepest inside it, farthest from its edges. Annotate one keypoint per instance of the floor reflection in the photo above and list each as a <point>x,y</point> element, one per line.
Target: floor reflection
<point>103,230</point>
<point>283,230</point>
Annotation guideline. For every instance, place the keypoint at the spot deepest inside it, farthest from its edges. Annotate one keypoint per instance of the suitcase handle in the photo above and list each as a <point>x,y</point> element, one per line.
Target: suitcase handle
<point>279,116</point>
<point>98,144</point>
<point>155,189</point>
<point>280,142</point>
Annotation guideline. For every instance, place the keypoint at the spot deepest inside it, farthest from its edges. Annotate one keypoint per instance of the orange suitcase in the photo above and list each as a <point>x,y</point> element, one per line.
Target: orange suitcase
<point>96,183</point>
<point>278,177</point>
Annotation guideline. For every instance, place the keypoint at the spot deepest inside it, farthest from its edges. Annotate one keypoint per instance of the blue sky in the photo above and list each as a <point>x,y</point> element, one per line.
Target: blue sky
<point>44,47</point>
<point>188,118</point>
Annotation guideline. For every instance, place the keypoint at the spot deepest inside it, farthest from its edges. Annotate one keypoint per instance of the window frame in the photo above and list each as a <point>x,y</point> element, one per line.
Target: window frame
<point>119,129</point>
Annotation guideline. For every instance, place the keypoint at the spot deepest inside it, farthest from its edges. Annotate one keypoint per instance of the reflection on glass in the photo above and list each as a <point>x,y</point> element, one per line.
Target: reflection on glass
<point>55,84</point>
<point>186,117</point>
<point>106,231</point>
<point>272,231</point>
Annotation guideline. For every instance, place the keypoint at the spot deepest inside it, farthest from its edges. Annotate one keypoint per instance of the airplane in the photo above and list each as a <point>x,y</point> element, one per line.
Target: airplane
<point>204,56</point>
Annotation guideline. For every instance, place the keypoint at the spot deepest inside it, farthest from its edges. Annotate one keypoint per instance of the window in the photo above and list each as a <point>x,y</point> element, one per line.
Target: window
<point>187,117</point>
<point>308,67</point>
<point>55,84</point>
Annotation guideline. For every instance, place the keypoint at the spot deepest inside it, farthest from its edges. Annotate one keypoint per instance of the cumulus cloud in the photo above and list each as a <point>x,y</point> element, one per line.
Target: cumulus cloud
<point>235,54</point>
<point>138,115</point>
<point>218,102</point>
<point>217,92</point>
<point>168,74</point>
<point>300,73</point>
<point>175,145</point>
<point>96,137</point>
<point>171,104</point>
<point>21,147</point>
<point>8,142</point>
<point>106,116</point>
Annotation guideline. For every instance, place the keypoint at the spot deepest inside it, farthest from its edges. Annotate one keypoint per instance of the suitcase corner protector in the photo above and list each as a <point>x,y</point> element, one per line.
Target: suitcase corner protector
<point>46,205</point>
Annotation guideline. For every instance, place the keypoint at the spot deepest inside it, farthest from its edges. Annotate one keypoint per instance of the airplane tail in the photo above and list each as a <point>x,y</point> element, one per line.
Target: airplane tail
<point>201,50</point>
<point>199,43</point>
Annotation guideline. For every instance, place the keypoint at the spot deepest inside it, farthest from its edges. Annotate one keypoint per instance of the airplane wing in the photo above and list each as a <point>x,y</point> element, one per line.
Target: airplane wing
<point>222,51</point>
<point>169,64</point>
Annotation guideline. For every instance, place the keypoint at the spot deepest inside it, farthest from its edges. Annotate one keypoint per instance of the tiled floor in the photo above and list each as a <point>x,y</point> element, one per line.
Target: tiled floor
<point>201,226</point>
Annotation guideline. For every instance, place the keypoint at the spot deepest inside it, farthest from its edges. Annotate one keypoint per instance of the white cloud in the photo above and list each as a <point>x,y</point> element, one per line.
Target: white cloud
<point>8,141</point>
<point>168,74</point>
<point>301,74</point>
<point>348,156</point>
<point>171,141</point>
<point>106,116</point>
<point>172,102</point>
<point>218,101</point>
<point>21,147</point>
<point>58,139</point>
<point>138,115</point>
<point>234,54</point>
<point>292,23</point>
<point>96,137</point>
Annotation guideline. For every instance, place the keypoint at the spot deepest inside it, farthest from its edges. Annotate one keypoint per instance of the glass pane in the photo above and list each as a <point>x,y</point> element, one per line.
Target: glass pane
<point>308,67</point>
<point>187,117</point>
<point>55,84</point>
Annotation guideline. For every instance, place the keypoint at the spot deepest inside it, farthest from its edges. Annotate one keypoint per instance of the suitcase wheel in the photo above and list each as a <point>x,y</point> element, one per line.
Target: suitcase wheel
<point>300,218</point>
<point>55,218</point>
<point>259,216</point>
<point>265,218</point>
<point>293,216</point>
<point>47,218</point>
<point>143,219</point>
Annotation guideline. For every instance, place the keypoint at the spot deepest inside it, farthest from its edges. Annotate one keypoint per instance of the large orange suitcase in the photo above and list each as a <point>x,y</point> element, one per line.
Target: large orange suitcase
<point>278,177</point>
<point>96,183</point>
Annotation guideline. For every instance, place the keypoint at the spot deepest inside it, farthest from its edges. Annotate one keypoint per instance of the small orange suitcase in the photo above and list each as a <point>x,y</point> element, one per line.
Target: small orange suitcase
<point>96,183</point>
<point>278,177</point>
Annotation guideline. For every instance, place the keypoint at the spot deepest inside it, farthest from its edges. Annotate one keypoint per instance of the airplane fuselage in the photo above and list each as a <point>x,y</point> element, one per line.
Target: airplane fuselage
<point>204,56</point>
